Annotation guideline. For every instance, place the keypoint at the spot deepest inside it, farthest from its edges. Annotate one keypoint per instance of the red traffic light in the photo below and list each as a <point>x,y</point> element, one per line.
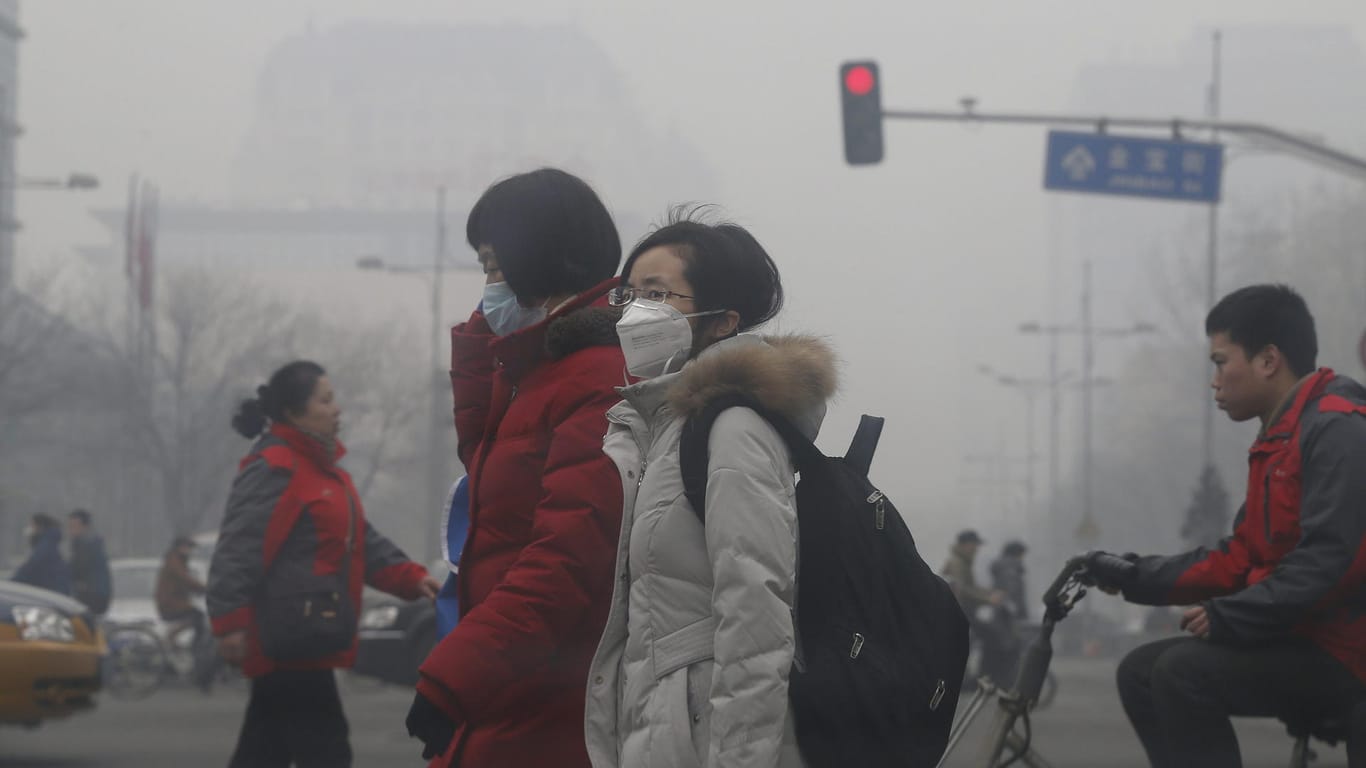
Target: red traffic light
<point>859,80</point>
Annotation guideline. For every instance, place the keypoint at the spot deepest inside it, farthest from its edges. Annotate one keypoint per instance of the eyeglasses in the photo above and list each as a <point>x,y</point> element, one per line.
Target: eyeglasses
<point>625,294</point>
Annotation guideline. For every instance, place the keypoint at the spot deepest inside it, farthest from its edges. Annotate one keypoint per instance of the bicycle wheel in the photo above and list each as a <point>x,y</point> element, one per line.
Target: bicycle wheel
<point>136,665</point>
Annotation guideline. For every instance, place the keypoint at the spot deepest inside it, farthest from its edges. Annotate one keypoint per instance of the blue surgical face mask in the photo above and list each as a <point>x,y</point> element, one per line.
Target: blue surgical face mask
<point>503,312</point>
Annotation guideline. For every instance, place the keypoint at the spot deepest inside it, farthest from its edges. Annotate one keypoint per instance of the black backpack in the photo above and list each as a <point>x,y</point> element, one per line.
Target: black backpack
<point>882,641</point>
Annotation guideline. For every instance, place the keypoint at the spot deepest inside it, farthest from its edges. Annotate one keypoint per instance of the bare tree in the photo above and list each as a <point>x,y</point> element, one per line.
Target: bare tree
<point>218,338</point>
<point>37,346</point>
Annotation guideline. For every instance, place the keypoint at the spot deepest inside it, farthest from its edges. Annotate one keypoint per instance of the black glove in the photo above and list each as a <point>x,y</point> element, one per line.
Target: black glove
<point>431,725</point>
<point>1109,572</point>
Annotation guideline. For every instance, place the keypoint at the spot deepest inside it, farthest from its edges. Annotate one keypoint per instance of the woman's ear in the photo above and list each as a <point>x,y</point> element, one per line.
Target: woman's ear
<point>725,325</point>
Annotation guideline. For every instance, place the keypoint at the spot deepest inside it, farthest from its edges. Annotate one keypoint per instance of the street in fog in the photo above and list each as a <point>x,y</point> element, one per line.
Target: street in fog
<point>176,728</point>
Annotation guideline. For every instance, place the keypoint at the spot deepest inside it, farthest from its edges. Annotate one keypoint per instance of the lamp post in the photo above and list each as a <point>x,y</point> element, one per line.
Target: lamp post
<point>11,184</point>
<point>436,464</point>
<point>1029,388</point>
<point>73,182</point>
<point>1087,531</point>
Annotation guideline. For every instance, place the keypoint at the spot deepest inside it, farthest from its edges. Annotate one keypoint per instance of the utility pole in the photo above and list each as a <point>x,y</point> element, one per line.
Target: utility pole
<point>1212,261</point>
<point>1029,389</point>
<point>1088,530</point>
<point>436,459</point>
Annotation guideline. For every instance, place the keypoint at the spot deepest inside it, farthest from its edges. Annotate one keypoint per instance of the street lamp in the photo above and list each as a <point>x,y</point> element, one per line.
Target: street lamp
<point>1087,531</point>
<point>436,464</point>
<point>74,182</point>
<point>1029,388</point>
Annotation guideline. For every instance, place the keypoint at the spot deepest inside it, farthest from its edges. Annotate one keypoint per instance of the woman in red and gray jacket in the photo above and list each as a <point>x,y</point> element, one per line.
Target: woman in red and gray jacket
<point>294,525</point>
<point>534,372</point>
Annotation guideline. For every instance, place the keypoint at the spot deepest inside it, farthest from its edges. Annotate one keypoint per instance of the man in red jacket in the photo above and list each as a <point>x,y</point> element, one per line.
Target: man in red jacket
<point>1278,617</point>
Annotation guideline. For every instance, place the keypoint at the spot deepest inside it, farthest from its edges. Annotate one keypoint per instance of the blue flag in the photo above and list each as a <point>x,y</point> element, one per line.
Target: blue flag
<point>454,528</point>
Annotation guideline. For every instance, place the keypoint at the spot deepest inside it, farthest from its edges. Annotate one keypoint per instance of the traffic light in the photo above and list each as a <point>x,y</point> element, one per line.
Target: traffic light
<point>861,103</point>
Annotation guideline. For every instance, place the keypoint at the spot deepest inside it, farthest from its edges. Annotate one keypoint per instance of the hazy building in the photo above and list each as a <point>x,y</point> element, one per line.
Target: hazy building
<point>373,115</point>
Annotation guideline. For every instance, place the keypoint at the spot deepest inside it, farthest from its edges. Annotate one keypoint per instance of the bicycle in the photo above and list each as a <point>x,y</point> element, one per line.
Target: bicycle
<point>1015,704</point>
<point>1020,632</point>
<point>140,660</point>
<point>136,661</point>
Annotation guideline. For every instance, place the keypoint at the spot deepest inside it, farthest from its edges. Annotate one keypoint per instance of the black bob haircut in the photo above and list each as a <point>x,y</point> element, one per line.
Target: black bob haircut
<point>726,265</point>
<point>1258,316</point>
<point>550,233</point>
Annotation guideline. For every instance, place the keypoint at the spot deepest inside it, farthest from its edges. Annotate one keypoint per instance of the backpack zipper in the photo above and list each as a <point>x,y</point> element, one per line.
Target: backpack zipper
<point>879,511</point>
<point>938,696</point>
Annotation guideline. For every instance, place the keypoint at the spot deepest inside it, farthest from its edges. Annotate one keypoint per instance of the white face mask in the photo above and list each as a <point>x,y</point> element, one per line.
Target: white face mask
<point>653,334</point>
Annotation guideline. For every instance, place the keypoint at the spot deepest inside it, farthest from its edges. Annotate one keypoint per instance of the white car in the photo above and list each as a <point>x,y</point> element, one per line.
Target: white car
<point>135,585</point>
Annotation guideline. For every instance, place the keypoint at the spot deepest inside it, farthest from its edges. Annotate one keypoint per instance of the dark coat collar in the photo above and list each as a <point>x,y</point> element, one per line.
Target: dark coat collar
<point>587,321</point>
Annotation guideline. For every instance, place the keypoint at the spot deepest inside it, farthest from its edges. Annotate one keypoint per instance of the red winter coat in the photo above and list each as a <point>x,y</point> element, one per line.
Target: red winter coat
<point>1295,565</point>
<point>286,521</point>
<point>545,514</point>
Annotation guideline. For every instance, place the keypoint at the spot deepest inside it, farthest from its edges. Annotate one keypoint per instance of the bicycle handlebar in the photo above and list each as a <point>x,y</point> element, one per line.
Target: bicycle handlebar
<point>1091,569</point>
<point>1073,566</point>
<point>1106,569</point>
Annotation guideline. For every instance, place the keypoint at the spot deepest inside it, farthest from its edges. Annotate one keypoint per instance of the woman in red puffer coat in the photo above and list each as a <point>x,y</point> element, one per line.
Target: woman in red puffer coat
<point>534,371</point>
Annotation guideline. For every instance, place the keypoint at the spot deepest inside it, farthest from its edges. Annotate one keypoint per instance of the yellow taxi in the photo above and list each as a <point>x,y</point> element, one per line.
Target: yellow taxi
<point>50,655</point>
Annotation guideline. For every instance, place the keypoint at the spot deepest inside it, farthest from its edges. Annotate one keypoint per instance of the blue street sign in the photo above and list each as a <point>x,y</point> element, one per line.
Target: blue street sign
<point>1099,163</point>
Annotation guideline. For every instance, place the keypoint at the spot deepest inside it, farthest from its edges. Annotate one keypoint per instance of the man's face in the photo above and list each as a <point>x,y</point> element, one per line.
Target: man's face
<point>1241,384</point>
<point>74,527</point>
<point>970,548</point>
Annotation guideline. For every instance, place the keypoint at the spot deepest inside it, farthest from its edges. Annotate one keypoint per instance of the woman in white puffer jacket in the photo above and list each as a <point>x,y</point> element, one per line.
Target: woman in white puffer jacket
<point>693,667</point>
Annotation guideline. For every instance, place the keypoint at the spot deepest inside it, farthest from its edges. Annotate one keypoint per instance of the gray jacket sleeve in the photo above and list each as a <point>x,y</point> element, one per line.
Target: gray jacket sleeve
<point>751,533</point>
<point>238,565</point>
<point>1332,530</point>
<point>387,568</point>
<point>1190,577</point>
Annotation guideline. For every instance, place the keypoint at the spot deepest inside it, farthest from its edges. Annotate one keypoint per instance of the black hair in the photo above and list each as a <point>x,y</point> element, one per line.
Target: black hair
<point>182,541</point>
<point>80,514</point>
<point>550,233</point>
<point>287,392</point>
<point>1014,548</point>
<point>725,264</point>
<point>43,522</point>
<point>1258,316</point>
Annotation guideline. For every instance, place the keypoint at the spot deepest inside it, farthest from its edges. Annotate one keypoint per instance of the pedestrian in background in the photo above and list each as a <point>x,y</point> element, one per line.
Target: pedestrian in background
<point>44,566</point>
<point>91,581</point>
<point>293,554</point>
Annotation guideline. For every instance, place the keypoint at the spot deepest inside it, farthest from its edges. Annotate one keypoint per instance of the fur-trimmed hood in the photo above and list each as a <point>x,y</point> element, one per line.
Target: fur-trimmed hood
<point>793,375</point>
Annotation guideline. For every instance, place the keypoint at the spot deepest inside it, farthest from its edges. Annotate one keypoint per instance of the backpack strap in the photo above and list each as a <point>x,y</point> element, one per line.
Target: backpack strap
<point>864,444</point>
<point>694,454</point>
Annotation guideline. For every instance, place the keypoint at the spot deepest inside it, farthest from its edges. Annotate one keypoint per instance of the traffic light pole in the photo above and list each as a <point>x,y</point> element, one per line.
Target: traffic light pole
<point>1274,138</point>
